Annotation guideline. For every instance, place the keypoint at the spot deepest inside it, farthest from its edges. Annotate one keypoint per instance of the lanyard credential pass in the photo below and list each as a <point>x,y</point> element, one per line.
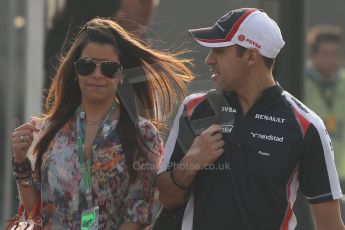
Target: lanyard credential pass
<point>89,218</point>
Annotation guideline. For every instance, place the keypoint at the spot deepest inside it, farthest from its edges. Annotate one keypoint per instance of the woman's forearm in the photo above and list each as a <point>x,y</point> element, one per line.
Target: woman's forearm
<point>28,196</point>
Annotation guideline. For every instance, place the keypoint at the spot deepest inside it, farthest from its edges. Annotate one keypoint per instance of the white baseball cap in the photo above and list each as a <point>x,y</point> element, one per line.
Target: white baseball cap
<point>247,27</point>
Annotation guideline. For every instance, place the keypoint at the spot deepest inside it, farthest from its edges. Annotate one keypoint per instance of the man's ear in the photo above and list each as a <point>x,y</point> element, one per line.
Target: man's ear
<point>252,56</point>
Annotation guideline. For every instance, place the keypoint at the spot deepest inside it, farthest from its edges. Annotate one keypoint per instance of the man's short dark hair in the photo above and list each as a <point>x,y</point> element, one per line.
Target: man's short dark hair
<point>323,33</point>
<point>269,62</point>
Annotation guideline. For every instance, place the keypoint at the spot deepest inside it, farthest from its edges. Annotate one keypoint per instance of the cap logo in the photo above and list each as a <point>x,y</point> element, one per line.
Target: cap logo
<point>220,27</point>
<point>225,17</point>
<point>253,43</point>
<point>241,37</point>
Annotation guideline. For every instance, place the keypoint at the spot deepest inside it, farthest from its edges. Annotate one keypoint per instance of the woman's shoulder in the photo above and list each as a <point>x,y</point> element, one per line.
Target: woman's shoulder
<point>150,135</point>
<point>147,127</point>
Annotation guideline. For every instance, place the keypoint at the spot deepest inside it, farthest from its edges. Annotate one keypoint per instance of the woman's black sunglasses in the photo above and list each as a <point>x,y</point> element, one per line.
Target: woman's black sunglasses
<point>86,66</point>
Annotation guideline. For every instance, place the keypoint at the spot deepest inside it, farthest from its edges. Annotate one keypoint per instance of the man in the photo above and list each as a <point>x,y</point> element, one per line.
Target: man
<point>275,144</point>
<point>325,86</point>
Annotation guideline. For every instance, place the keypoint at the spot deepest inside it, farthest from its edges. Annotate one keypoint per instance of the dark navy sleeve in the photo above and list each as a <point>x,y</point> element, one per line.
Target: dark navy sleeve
<point>180,138</point>
<point>317,173</point>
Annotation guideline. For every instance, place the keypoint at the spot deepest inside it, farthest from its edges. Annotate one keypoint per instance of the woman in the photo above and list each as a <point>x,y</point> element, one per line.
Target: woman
<point>97,152</point>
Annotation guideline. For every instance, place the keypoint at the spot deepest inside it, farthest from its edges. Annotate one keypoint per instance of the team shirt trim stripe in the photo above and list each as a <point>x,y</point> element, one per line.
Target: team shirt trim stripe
<point>289,221</point>
<point>304,123</point>
<point>192,104</point>
<point>315,120</point>
<point>318,197</point>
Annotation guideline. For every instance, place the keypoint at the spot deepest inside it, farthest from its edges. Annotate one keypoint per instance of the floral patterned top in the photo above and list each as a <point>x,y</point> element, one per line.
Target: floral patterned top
<point>119,200</point>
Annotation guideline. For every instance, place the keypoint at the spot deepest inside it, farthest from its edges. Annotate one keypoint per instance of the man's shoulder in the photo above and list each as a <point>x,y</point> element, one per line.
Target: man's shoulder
<point>145,125</point>
<point>194,101</point>
<point>296,104</point>
<point>195,98</point>
<point>303,113</point>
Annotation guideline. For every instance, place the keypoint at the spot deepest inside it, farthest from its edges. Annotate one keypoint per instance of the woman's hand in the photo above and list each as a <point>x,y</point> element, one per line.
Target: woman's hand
<point>22,138</point>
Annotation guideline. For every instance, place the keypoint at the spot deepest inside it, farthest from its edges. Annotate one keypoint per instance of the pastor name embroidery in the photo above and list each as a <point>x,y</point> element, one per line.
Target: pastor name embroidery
<point>264,154</point>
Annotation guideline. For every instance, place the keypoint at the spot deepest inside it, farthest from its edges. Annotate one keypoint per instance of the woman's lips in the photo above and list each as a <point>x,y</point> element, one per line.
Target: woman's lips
<point>96,86</point>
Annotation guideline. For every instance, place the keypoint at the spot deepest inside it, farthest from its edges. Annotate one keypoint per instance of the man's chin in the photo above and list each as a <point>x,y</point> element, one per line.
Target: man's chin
<point>222,88</point>
<point>219,88</point>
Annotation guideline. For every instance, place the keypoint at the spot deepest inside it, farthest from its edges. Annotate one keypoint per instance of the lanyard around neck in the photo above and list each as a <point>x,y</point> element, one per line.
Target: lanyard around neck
<point>86,166</point>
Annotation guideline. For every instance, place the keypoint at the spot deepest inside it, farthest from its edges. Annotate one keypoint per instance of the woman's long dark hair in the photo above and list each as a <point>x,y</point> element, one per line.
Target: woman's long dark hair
<point>162,75</point>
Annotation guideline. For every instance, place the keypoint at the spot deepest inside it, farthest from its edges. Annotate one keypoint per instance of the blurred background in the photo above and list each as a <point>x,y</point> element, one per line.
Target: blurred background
<point>26,60</point>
